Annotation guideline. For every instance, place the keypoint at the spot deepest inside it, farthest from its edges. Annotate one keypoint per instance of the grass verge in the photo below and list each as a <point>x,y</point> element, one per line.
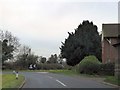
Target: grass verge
<point>65,72</point>
<point>9,81</point>
<point>108,79</point>
<point>72,73</point>
<point>0,81</point>
<point>112,80</point>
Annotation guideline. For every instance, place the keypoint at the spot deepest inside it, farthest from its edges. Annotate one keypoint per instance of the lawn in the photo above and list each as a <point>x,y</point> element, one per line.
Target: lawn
<point>9,81</point>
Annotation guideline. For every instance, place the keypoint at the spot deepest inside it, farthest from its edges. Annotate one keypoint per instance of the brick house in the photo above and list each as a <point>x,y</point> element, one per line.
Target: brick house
<point>110,42</point>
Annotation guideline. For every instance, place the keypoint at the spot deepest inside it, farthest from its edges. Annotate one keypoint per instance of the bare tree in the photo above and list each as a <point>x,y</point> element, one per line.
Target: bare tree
<point>12,40</point>
<point>25,50</point>
<point>10,45</point>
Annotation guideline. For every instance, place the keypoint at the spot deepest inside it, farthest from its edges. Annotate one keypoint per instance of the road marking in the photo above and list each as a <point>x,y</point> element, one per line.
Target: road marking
<point>61,83</point>
<point>42,72</point>
<point>50,77</point>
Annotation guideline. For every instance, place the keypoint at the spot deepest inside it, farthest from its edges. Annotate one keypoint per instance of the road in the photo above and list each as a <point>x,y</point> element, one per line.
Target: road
<point>50,80</point>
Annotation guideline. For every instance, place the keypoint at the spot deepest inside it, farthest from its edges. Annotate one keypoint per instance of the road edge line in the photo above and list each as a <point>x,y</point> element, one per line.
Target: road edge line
<point>111,84</point>
<point>22,84</point>
<point>61,83</point>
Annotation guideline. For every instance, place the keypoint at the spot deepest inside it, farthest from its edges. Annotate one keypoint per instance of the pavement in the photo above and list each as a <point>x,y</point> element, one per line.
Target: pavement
<point>50,80</point>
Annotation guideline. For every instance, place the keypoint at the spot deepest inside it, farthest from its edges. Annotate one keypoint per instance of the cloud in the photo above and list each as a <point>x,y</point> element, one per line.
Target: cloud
<point>44,24</point>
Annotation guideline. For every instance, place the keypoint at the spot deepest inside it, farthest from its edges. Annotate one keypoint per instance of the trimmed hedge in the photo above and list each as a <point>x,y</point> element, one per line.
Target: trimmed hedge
<point>107,69</point>
<point>89,65</point>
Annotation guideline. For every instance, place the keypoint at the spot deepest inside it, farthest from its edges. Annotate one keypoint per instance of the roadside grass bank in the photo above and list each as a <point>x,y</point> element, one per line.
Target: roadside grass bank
<point>0,81</point>
<point>108,79</point>
<point>112,80</point>
<point>64,71</point>
<point>9,81</point>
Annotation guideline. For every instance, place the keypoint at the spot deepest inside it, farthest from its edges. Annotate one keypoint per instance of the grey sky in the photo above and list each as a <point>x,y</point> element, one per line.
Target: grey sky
<point>42,25</point>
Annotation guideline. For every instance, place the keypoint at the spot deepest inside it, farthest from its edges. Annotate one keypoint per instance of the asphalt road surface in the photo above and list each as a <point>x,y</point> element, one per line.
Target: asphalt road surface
<point>50,80</point>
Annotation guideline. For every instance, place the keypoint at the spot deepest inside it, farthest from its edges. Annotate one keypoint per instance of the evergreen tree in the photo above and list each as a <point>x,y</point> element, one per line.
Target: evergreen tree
<point>83,42</point>
<point>7,51</point>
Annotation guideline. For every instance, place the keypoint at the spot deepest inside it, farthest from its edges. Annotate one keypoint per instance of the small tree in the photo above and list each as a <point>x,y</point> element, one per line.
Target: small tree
<point>10,45</point>
<point>53,59</point>
<point>43,59</point>
<point>7,51</point>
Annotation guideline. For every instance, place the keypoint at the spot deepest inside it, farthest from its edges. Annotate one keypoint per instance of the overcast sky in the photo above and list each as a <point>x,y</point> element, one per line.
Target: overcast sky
<point>43,24</point>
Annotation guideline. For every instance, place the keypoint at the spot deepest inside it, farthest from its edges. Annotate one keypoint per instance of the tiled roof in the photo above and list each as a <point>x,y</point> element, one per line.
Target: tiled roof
<point>111,30</point>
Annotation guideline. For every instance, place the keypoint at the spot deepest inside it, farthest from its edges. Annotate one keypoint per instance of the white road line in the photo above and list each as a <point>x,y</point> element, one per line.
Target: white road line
<point>61,83</point>
<point>50,77</point>
<point>42,72</point>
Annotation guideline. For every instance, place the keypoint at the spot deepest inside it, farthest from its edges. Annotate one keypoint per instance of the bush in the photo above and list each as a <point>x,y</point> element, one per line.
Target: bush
<point>89,65</point>
<point>107,69</point>
<point>49,66</point>
<point>8,65</point>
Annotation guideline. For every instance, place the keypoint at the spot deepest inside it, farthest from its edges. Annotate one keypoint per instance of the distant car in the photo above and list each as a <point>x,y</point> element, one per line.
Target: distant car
<point>14,72</point>
<point>31,68</point>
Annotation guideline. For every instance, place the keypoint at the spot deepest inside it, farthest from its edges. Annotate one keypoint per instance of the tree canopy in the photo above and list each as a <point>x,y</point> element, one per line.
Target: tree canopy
<point>7,51</point>
<point>53,59</point>
<point>83,42</point>
<point>43,59</point>
<point>10,45</point>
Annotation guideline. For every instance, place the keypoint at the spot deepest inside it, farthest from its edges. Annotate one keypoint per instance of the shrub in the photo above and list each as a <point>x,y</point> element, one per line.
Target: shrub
<point>8,65</point>
<point>49,66</point>
<point>107,69</point>
<point>89,65</point>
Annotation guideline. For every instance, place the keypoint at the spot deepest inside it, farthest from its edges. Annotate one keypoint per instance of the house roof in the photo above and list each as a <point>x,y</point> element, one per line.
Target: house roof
<point>0,49</point>
<point>111,30</point>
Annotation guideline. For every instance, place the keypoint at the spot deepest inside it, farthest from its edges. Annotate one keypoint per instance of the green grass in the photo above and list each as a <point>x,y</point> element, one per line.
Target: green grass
<point>0,81</point>
<point>9,81</point>
<point>112,80</point>
<point>65,72</point>
<point>109,79</point>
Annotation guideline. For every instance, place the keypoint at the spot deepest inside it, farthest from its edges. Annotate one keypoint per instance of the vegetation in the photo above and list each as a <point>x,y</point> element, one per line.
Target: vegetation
<point>112,80</point>
<point>24,61</point>
<point>65,72</point>
<point>107,69</point>
<point>10,45</point>
<point>89,65</point>
<point>53,59</point>
<point>83,42</point>
<point>0,81</point>
<point>51,66</point>
<point>43,59</point>
<point>9,81</point>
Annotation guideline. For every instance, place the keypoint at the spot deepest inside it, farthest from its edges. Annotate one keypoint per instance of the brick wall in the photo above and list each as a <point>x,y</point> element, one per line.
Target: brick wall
<point>109,52</point>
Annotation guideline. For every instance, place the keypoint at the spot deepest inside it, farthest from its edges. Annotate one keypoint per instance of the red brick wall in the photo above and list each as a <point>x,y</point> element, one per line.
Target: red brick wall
<point>109,52</point>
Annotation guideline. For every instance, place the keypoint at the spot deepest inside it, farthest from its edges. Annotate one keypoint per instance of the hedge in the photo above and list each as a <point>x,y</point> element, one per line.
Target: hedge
<point>89,65</point>
<point>107,69</point>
